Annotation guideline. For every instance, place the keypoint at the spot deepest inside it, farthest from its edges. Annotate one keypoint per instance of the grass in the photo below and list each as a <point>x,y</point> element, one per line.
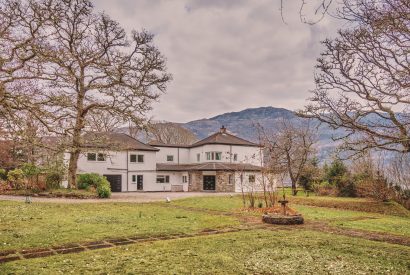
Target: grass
<point>257,252</point>
<point>55,193</point>
<point>44,224</point>
<point>370,221</point>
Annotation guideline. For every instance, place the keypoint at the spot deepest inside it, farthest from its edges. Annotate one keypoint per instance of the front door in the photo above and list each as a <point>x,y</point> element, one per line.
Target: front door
<point>209,183</point>
<point>115,182</point>
<point>140,182</point>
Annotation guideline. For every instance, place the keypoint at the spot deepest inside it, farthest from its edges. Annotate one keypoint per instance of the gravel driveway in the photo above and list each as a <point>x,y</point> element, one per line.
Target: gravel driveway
<point>122,197</point>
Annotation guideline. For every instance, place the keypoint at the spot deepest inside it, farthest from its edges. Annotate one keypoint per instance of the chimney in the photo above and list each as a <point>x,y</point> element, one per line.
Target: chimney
<point>222,130</point>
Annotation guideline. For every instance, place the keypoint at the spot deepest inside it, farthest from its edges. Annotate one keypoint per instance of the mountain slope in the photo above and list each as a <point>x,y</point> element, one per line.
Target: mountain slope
<point>243,123</point>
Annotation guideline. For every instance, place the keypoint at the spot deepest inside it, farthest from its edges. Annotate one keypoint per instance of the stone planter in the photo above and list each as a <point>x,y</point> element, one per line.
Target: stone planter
<point>281,219</point>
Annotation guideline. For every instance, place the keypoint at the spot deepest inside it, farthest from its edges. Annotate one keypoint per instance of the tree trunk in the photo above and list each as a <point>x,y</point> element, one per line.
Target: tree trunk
<point>294,191</point>
<point>72,169</point>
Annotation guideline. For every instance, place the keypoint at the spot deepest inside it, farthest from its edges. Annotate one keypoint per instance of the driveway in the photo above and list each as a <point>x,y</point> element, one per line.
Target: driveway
<point>136,197</point>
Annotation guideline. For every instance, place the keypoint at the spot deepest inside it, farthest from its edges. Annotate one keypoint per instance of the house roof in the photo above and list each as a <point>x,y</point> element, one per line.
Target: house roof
<point>115,141</point>
<point>157,143</point>
<point>223,137</point>
<point>210,166</point>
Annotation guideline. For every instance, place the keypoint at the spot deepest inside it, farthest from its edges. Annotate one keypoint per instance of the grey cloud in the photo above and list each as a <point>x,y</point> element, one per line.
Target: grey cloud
<point>227,55</point>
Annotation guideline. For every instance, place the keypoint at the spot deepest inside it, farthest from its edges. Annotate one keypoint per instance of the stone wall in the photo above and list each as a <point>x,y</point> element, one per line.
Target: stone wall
<point>195,183</point>
<point>222,182</point>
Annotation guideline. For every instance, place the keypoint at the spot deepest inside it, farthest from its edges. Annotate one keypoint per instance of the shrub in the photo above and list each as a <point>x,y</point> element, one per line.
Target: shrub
<point>324,188</point>
<point>104,188</point>
<point>100,183</point>
<point>53,180</point>
<point>84,181</point>
<point>16,178</point>
<point>3,174</point>
<point>30,170</point>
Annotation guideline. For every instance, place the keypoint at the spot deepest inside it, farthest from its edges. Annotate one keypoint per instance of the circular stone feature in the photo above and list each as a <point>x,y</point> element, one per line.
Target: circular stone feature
<point>281,219</point>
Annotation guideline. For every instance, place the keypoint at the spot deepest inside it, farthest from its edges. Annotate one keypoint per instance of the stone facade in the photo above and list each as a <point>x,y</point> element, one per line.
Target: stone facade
<point>222,181</point>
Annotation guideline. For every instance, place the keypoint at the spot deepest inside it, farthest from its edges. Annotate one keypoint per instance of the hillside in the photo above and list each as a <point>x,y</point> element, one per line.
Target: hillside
<point>243,123</point>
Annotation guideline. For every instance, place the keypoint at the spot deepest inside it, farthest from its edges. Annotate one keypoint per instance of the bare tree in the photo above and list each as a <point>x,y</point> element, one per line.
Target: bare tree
<point>310,12</point>
<point>289,147</point>
<point>171,133</point>
<point>84,63</point>
<point>362,78</point>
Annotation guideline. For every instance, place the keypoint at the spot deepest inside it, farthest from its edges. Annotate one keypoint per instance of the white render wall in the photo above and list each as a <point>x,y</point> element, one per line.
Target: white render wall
<point>116,164</point>
<point>181,155</point>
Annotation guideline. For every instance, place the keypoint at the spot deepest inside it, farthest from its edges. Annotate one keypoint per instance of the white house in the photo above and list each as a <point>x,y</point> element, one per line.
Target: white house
<point>221,162</point>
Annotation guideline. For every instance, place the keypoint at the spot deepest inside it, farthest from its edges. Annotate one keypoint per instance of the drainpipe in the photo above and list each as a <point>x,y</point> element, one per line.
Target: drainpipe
<point>127,170</point>
<point>230,153</point>
<point>178,155</point>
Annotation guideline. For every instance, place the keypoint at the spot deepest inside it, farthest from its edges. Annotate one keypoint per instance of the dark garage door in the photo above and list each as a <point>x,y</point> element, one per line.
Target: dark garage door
<point>115,182</point>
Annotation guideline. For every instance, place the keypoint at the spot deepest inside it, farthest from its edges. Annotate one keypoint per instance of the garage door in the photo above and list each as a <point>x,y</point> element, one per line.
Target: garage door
<point>115,182</point>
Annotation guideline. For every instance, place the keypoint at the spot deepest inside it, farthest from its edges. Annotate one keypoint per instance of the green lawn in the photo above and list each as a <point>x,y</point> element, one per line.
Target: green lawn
<point>257,252</point>
<point>246,252</point>
<point>376,222</point>
<point>44,224</point>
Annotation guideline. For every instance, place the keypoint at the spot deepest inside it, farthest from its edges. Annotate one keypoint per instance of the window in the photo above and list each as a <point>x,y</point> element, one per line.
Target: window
<point>91,156</point>
<point>251,178</point>
<point>198,157</point>
<point>162,179</point>
<point>136,158</point>
<point>235,157</point>
<point>184,179</point>
<point>170,158</point>
<point>213,155</point>
<point>231,179</point>
<point>101,157</point>
<point>134,179</point>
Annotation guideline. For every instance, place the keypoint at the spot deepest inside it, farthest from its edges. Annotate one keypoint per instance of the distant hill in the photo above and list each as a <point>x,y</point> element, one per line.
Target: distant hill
<point>243,123</point>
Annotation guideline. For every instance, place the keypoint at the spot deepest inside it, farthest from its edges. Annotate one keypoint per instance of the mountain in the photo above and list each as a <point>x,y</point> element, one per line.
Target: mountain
<point>243,123</point>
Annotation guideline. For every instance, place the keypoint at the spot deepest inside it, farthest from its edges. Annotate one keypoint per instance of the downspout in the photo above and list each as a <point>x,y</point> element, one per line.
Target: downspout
<point>127,170</point>
<point>230,153</point>
<point>178,155</point>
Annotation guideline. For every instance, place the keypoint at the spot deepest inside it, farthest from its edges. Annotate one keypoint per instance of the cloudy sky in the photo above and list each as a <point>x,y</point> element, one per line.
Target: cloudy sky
<point>227,55</point>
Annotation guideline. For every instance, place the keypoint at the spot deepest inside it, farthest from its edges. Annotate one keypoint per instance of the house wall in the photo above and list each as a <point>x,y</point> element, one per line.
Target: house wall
<point>181,155</point>
<point>246,154</point>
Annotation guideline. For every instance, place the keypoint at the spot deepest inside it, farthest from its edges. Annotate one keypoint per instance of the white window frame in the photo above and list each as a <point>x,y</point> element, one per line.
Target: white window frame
<point>252,176</point>
<point>170,158</point>
<point>213,155</point>
<point>97,157</point>
<point>184,179</point>
<point>165,177</point>
<point>137,158</point>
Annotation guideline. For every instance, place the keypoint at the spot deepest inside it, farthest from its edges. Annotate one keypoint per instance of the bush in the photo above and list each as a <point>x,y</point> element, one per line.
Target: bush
<point>53,180</point>
<point>84,181</point>
<point>16,178</point>
<point>104,188</point>
<point>3,174</point>
<point>100,183</point>
<point>324,189</point>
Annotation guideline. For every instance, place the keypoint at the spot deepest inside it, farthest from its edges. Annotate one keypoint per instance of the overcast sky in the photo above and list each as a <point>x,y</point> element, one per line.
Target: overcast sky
<point>227,55</point>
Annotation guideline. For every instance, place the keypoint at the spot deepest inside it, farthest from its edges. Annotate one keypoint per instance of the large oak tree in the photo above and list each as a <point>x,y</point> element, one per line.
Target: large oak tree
<point>80,62</point>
